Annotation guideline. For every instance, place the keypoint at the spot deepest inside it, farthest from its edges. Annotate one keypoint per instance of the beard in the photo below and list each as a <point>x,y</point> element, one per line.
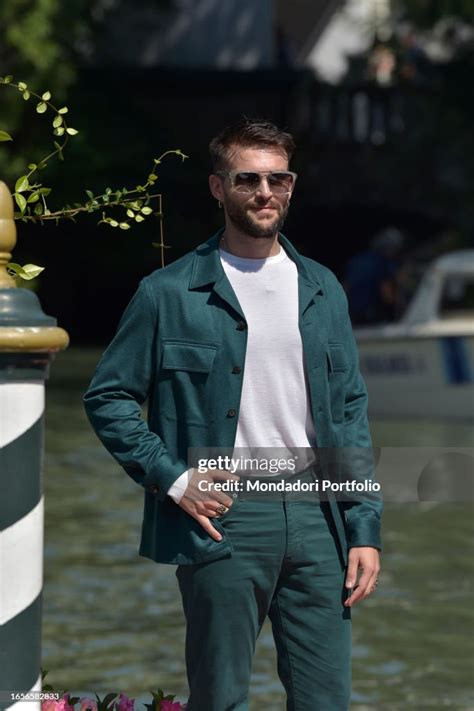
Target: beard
<point>248,224</point>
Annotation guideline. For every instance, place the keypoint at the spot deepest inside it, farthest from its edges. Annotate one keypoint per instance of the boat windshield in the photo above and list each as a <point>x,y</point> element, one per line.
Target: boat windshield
<point>457,297</point>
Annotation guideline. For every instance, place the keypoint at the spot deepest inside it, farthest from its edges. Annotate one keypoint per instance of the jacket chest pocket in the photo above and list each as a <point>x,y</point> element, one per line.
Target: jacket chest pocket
<point>185,375</point>
<point>337,369</point>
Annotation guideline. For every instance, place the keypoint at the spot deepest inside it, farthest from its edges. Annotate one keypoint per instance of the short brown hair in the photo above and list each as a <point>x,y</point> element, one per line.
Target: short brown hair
<point>248,133</point>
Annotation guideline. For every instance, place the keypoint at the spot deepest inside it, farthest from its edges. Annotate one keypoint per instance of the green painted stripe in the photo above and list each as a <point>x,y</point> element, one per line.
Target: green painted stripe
<point>20,491</point>
<point>21,367</point>
<point>20,650</point>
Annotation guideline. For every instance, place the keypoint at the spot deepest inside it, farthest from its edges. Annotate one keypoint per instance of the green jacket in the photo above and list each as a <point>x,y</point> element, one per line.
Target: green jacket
<point>177,344</point>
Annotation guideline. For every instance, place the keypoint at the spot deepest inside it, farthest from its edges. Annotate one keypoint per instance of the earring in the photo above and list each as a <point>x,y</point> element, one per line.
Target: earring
<point>219,204</point>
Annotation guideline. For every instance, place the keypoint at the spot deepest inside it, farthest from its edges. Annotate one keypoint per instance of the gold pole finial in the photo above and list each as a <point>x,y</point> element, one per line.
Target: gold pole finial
<point>7,235</point>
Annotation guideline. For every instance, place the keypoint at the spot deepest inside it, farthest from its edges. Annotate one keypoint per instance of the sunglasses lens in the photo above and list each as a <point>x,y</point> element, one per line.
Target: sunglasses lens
<point>278,182</point>
<point>246,182</point>
<point>281,182</point>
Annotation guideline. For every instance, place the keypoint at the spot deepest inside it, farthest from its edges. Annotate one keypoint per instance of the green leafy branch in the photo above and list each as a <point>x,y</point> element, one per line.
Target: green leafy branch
<point>27,193</point>
<point>31,197</point>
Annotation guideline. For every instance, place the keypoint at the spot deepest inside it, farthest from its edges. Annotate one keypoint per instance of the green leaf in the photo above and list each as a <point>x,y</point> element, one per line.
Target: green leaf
<point>72,131</point>
<point>107,699</point>
<point>57,121</point>
<point>14,269</point>
<point>41,107</point>
<point>42,165</point>
<point>7,79</point>
<point>90,194</point>
<point>130,213</point>
<point>147,210</point>
<point>22,184</point>
<point>113,223</point>
<point>64,110</point>
<point>26,95</point>
<point>44,191</point>
<point>4,136</point>
<point>39,209</point>
<point>139,218</point>
<point>59,150</point>
<point>46,96</point>
<point>21,202</point>
<point>124,226</point>
<point>30,271</point>
<point>34,197</point>
<point>59,131</point>
<point>22,86</point>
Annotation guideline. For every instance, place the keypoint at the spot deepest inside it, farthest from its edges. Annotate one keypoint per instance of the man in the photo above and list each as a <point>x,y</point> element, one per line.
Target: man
<point>370,279</point>
<point>245,343</point>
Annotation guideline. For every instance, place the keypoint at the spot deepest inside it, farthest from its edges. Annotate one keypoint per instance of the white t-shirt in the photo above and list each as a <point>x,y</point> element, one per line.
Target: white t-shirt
<point>275,408</point>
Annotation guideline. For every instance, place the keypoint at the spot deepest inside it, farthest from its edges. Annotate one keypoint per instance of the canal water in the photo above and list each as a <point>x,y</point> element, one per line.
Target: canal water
<point>112,620</point>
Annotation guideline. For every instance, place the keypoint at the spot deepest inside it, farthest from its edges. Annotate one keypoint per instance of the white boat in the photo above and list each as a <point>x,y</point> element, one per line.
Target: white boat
<point>423,365</point>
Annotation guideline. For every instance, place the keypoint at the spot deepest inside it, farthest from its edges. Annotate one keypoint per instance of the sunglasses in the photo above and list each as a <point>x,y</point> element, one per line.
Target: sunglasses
<point>280,182</point>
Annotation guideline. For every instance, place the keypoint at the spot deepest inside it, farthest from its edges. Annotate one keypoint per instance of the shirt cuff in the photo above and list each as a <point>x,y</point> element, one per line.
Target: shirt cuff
<point>177,489</point>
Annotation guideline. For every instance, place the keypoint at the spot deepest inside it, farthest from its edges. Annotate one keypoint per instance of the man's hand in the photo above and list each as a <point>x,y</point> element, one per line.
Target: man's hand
<point>201,500</point>
<point>368,560</point>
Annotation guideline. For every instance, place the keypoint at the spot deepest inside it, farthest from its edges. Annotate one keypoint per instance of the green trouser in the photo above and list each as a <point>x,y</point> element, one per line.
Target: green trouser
<point>286,565</point>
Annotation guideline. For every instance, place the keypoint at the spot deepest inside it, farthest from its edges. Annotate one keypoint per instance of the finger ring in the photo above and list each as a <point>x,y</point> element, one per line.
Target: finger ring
<point>221,509</point>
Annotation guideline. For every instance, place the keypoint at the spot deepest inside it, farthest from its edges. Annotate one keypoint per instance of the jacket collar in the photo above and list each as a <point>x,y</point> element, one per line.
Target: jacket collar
<point>207,268</point>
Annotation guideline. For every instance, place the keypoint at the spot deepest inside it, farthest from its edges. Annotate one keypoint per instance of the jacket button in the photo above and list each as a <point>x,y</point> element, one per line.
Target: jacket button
<point>153,489</point>
<point>236,369</point>
<point>241,326</point>
<point>231,413</point>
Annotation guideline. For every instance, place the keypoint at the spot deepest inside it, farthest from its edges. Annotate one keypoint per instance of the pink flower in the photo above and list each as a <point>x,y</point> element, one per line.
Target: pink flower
<point>60,705</point>
<point>171,706</point>
<point>124,703</point>
<point>64,704</point>
<point>48,705</point>
<point>87,703</point>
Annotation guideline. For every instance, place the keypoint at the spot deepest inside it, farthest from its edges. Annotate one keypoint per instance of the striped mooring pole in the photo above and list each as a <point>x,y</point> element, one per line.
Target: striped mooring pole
<point>28,341</point>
